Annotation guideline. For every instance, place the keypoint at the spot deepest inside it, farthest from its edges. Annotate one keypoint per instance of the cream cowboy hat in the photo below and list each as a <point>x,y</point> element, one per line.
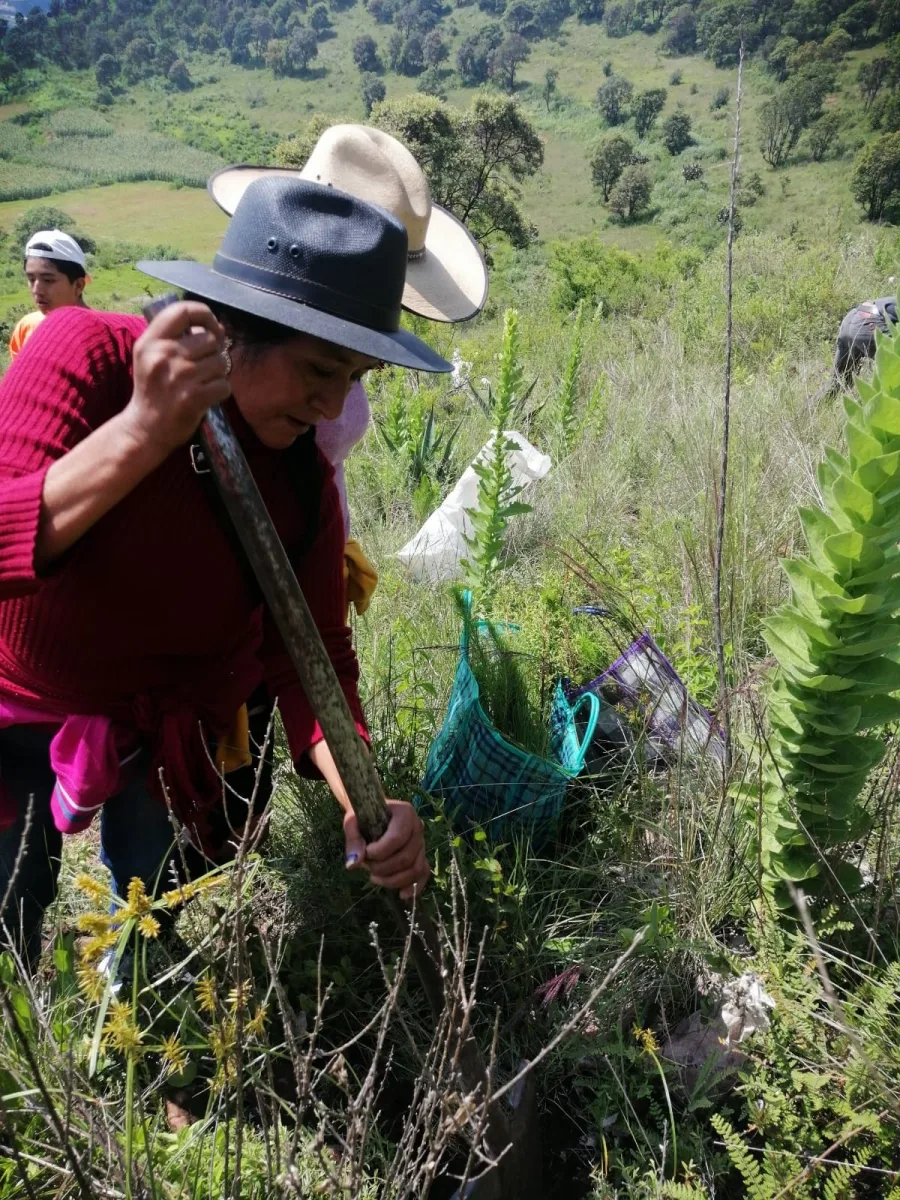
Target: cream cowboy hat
<point>446,277</point>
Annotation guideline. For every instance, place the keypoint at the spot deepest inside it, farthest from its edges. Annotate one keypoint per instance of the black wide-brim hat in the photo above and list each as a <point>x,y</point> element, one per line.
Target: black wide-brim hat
<point>316,260</point>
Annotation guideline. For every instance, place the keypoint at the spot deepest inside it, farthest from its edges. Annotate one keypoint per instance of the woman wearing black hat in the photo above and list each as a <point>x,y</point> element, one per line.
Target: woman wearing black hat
<point>130,632</point>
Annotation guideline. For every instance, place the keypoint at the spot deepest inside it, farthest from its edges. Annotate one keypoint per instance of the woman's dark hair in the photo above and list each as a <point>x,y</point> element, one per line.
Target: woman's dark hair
<point>255,335</point>
<point>71,270</point>
<point>250,332</point>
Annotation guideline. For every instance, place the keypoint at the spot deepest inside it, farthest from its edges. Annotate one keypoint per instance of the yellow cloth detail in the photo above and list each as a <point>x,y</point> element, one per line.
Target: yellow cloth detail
<point>361,577</point>
<point>23,331</point>
<point>233,751</point>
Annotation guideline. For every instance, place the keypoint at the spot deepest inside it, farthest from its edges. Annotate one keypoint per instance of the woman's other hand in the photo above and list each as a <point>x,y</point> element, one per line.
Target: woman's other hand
<point>397,860</point>
<point>180,371</point>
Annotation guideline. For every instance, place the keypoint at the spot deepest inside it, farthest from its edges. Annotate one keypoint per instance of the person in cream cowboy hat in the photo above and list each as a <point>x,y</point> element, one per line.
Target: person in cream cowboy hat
<point>446,276</point>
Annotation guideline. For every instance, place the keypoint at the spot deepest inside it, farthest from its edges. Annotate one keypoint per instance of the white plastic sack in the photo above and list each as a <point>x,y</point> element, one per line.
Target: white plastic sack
<point>435,552</point>
<point>745,1008</point>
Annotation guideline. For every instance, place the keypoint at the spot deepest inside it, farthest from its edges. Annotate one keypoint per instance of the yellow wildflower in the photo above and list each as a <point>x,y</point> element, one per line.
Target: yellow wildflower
<point>138,902</point>
<point>95,923</point>
<point>226,1073</point>
<point>239,997</point>
<point>222,1040</point>
<point>646,1038</point>
<point>97,946</point>
<point>205,990</point>
<point>174,1055</point>
<point>121,1030</point>
<point>223,1037</point>
<point>91,982</point>
<point>92,887</point>
<point>148,926</point>
<point>175,897</point>
<point>256,1027</point>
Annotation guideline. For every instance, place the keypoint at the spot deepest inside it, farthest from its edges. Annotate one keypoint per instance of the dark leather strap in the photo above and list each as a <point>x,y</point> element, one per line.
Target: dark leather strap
<point>308,484</point>
<point>217,505</point>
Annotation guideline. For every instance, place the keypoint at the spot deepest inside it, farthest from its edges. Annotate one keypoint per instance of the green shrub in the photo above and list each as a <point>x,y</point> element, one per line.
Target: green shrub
<point>631,195</point>
<point>720,99</point>
<point>876,176</point>
<point>586,269</point>
<point>676,132</point>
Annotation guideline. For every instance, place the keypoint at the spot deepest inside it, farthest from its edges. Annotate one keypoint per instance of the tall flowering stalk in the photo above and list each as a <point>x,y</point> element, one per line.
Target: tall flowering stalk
<point>568,394</point>
<point>497,493</point>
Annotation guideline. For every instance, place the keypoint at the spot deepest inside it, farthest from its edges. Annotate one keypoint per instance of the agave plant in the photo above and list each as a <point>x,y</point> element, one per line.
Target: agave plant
<point>838,647</point>
<point>426,450</point>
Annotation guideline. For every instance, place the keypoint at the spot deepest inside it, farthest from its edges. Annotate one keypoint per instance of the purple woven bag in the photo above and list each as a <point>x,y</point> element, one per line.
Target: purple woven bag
<point>643,678</point>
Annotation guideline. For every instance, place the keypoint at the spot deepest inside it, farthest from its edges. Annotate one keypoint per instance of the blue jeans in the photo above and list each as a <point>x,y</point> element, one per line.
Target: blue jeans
<point>136,839</point>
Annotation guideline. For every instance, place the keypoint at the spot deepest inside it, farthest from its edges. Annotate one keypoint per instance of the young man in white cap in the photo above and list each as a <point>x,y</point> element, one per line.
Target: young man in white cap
<point>56,271</point>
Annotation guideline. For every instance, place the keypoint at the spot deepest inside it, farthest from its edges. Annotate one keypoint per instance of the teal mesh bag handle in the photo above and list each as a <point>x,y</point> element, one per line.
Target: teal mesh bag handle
<point>588,700</point>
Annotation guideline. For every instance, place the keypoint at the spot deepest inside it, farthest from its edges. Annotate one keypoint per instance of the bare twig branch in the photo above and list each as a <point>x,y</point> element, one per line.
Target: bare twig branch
<point>722,498</point>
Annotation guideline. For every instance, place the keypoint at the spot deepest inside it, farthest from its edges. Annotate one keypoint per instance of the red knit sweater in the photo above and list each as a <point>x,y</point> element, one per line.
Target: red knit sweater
<point>148,617</point>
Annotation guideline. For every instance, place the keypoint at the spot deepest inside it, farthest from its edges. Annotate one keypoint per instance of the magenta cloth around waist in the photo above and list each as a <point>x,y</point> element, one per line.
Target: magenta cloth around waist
<point>89,755</point>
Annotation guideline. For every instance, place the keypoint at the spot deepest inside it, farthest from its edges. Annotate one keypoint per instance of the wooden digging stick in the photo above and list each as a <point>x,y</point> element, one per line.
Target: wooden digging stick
<point>287,604</point>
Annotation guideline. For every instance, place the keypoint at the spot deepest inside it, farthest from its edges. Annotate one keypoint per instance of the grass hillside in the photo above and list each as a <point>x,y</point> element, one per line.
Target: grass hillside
<point>239,112</point>
<point>152,134</point>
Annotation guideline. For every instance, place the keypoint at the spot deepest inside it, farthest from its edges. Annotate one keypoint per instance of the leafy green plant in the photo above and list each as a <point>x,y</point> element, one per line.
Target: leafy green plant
<point>497,493</point>
<point>754,1173</point>
<point>432,453</point>
<point>519,409</point>
<point>568,394</point>
<point>424,452</point>
<point>508,696</point>
<point>838,646</point>
<point>682,1191</point>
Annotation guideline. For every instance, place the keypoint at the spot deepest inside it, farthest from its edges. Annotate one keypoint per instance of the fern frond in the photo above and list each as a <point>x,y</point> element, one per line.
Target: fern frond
<point>741,1159</point>
<point>682,1191</point>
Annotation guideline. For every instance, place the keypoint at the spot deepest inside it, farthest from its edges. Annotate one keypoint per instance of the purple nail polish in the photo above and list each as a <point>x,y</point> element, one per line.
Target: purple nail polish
<point>351,860</point>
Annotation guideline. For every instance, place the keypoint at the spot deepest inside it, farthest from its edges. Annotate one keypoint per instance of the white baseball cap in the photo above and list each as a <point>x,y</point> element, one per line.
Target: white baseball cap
<point>59,245</point>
